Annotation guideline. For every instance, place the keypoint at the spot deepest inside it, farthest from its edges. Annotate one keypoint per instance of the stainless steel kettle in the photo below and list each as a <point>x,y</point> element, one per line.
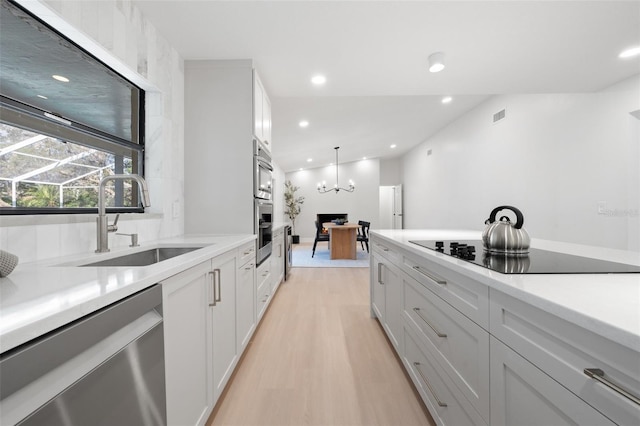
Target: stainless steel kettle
<point>503,236</point>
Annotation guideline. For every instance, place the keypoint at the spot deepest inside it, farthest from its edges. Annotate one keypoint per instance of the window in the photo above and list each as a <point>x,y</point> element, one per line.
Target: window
<point>66,120</point>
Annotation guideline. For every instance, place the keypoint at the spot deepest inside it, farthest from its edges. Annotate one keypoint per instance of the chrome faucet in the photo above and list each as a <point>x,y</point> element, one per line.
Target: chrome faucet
<point>102,220</point>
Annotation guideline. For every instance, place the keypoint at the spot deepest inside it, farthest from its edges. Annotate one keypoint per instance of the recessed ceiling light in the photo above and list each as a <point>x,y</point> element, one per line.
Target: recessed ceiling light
<point>447,99</point>
<point>436,62</point>
<point>309,160</point>
<point>303,123</point>
<point>60,78</point>
<point>629,53</point>
<point>300,169</point>
<point>364,158</point>
<point>42,97</point>
<point>393,146</point>
<point>319,79</point>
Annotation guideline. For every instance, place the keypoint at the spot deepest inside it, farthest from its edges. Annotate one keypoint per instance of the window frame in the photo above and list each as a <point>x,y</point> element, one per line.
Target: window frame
<point>28,117</point>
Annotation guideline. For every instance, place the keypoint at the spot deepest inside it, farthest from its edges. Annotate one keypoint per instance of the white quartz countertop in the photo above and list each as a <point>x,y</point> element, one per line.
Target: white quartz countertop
<point>41,296</point>
<point>607,304</point>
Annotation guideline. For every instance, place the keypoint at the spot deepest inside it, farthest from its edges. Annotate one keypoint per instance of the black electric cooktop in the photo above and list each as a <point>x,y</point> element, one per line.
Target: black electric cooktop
<point>537,261</point>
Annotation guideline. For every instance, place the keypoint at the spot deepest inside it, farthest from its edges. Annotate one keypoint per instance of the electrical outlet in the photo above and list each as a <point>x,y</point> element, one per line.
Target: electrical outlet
<point>175,209</point>
<point>602,207</point>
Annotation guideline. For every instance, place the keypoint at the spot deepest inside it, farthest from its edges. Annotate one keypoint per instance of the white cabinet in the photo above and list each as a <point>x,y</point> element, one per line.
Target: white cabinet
<point>200,337</point>
<point>445,401</point>
<point>377,286</point>
<point>218,153</point>
<point>277,259</point>
<point>261,112</point>
<point>387,293</point>
<point>263,288</point>
<point>187,343</point>
<point>522,394</point>
<point>563,351</point>
<point>413,297</point>
<point>245,296</point>
<point>458,345</point>
<point>223,320</point>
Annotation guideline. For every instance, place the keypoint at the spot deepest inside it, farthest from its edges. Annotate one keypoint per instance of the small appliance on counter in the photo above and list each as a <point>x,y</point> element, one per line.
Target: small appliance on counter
<point>504,237</point>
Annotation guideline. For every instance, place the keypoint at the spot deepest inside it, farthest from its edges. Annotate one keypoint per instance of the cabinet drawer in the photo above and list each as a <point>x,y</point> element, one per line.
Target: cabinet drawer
<point>247,253</point>
<point>263,274</point>
<point>262,299</point>
<point>463,293</point>
<point>446,403</point>
<point>564,350</point>
<point>522,394</point>
<point>386,250</point>
<point>459,345</point>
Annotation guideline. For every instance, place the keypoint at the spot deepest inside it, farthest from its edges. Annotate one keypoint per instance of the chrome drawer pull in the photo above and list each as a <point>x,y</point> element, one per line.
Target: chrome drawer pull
<point>426,382</point>
<point>219,291</point>
<point>597,374</point>
<point>431,277</point>
<point>417,311</point>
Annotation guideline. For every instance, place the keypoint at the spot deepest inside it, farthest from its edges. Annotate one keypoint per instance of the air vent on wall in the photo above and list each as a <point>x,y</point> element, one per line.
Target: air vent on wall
<point>499,115</point>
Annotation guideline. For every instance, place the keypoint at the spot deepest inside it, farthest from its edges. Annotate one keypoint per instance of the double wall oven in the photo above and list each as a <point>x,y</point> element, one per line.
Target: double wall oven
<point>262,200</point>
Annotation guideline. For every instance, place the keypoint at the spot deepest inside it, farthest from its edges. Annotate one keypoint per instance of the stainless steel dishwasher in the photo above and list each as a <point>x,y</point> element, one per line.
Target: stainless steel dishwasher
<point>104,369</point>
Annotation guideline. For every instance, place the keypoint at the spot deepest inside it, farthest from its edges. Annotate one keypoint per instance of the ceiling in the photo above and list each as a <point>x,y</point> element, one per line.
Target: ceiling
<point>374,55</point>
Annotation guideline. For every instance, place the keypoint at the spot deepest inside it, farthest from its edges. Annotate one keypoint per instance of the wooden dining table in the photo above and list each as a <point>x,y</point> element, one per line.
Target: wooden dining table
<point>342,240</point>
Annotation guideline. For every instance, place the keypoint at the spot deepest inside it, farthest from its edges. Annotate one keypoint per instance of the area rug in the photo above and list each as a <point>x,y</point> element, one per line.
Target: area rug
<point>301,258</point>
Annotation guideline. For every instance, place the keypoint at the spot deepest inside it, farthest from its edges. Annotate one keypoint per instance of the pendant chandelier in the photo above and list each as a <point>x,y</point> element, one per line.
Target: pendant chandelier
<point>322,188</point>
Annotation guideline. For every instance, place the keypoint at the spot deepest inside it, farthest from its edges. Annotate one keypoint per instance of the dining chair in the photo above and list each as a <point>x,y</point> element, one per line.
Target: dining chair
<point>363,234</point>
<point>319,237</point>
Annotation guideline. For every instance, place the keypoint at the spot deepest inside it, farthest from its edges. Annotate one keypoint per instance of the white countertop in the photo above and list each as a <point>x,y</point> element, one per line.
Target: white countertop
<point>41,296</point>
<point>607,304</point>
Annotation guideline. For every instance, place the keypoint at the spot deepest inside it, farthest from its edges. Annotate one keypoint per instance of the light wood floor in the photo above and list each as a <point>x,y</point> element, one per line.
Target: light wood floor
<point>318,358</point>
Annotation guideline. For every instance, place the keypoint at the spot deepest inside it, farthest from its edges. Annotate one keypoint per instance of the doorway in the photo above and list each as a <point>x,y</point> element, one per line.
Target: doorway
<point>391,207</point>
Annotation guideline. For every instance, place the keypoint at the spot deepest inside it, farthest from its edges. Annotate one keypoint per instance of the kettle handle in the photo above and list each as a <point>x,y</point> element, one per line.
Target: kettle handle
<point>519,216</point>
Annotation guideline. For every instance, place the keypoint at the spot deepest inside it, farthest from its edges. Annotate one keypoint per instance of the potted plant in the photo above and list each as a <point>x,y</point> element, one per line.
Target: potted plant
<point>292,207</point>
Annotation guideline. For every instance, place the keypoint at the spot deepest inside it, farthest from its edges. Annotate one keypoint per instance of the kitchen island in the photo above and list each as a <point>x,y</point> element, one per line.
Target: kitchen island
<point>483,347</point>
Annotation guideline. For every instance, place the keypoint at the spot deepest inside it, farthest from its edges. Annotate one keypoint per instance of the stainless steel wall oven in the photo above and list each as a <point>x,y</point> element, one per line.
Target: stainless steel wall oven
<point>263,227</point>
<point>262,194</point>
<point>262,172</point>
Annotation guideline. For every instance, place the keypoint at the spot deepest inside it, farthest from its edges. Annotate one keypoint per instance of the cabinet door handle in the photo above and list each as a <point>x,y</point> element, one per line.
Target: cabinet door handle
<point>218,293</point>
<point>213,287</point>
<point>598,374</point>
<point>250,267</point>
<point>431,277</point>
<point>380,265</point>
<point>439,334</point>
<point>426,382</point>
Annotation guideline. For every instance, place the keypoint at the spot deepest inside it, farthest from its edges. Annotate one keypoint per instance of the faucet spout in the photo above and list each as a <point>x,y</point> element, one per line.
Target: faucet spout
<point>102,222</point>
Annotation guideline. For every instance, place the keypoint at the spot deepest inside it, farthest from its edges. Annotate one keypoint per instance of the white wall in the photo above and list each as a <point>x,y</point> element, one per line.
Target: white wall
<point>115,32</point>
<point>554,157</point>
<point>391,171</point>
<point>362,204</point>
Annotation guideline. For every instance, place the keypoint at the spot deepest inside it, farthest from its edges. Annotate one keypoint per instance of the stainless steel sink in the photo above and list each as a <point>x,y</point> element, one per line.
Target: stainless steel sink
<point>144,258</point>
